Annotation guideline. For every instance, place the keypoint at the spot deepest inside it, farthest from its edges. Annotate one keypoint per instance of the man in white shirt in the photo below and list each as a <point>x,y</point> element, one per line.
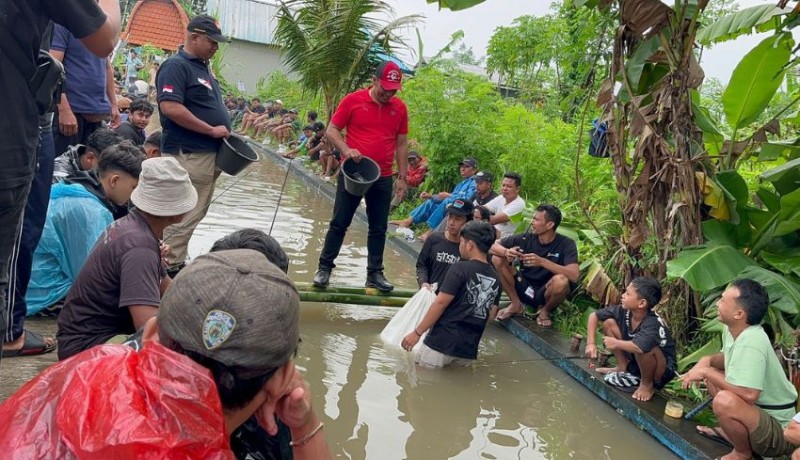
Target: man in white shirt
<point>507,205</point>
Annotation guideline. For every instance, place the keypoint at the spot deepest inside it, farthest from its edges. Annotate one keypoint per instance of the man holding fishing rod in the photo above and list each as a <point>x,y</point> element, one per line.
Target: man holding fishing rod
<point>376,124</point>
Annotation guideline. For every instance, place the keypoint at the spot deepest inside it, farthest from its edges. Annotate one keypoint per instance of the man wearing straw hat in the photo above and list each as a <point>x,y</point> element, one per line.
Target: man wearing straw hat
<point>377,128</point>
<point>120,286</point>
<point>194,120</point>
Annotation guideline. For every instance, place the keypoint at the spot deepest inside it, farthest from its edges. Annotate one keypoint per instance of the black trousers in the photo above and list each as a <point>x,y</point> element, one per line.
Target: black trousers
<point>85,129</point>
<point>35,215</point>
<point>378,198</point>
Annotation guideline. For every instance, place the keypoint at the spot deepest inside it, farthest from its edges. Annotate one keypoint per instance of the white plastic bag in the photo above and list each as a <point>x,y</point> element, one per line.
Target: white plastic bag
<point>408,317</point>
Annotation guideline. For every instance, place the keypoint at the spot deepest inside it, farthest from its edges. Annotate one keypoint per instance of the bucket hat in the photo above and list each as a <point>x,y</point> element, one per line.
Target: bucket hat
<point>164,188</point>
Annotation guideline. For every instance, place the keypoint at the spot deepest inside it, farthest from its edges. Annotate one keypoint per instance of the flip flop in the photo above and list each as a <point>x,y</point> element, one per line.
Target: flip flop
<point>34,345</point>
<point>512,315</point>
<point>623,381</point>
<point>715,435</point>
<point>546,323</point>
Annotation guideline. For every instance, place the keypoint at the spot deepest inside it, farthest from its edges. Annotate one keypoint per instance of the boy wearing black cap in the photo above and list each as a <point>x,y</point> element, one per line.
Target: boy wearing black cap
<point>465,303</point>
<point>194,120</point>
<point>440,250</point>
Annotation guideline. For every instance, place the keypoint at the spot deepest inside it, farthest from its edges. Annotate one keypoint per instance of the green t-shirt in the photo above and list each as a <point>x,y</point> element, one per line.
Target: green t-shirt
<point>303,147</point>
<point>750,362</point>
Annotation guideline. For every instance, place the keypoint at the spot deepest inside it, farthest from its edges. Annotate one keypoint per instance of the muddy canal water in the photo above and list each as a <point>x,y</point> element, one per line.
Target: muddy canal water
<point>374,402</point>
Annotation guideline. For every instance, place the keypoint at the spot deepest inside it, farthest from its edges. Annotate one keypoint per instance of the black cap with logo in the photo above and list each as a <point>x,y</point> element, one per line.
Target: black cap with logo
<point>207,25</point>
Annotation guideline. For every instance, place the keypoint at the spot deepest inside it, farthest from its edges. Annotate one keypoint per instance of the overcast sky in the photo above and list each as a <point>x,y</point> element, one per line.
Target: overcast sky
<point>479,22</point>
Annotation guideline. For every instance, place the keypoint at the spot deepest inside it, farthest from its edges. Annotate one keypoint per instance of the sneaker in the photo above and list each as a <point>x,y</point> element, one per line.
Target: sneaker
<point>322,278</point>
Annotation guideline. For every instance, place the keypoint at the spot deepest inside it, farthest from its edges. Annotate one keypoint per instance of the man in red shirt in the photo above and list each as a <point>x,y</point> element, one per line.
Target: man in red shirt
<point>377,127</point>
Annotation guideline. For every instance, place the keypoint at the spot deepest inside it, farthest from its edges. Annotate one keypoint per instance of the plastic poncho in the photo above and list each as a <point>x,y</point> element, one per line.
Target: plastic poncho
<point>111,402</point>
<point>75,219</point>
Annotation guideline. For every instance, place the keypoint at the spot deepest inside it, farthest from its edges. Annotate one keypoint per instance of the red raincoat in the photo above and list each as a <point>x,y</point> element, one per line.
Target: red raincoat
<point>111,402</point>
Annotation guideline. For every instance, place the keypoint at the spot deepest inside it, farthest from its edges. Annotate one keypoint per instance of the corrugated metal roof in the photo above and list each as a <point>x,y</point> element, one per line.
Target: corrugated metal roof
<point>250,20</point>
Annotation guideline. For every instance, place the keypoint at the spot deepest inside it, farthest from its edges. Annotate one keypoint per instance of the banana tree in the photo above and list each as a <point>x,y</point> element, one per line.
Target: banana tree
<point>331,44</point>
<point>759,240</point>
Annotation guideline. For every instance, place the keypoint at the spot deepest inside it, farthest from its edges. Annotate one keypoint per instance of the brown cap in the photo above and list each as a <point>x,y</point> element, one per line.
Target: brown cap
<point>236,308</point>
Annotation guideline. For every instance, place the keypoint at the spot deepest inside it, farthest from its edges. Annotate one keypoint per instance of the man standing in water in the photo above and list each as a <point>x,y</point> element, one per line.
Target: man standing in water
<point>194,121</point>
<point>377,127</point>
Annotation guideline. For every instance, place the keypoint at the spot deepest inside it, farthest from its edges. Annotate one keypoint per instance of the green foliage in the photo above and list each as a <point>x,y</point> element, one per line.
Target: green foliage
<point>334,47</point>
<point>756,79</point>
<point>552,60</point>
<point>737,23</point>
<point>465,116</point>
<point>456,5</point>
<point>454,115</point>
<point>277,85</point>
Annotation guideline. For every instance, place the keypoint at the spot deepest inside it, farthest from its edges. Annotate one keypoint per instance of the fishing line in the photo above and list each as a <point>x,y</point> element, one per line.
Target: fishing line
<point>280,197</point>
<point>238,179</point>
<point>533,360</point>
<point>283,186</point>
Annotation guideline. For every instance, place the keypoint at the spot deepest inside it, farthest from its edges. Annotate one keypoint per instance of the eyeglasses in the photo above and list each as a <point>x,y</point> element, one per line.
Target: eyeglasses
<point>124,110</point>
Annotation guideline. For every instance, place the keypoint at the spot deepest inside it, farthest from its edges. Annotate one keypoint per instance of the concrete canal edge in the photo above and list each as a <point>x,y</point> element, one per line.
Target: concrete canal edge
<point>677,435</point>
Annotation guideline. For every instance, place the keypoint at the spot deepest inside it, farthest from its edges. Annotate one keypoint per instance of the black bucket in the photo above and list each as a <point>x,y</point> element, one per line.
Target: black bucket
<point>359,177</point>
<point>234,155</point>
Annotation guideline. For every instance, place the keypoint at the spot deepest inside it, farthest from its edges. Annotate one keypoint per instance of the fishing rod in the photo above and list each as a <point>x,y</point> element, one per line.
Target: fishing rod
<point>283,186</point>
<point>690,415</point>
<point>233,184</point>
<point>238,179</point>
<point>532,360</point>
<point>280,197</point>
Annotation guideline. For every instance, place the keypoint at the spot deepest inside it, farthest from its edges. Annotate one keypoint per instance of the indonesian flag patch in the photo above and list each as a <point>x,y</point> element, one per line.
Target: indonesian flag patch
<point>204,82</point>
<point>166,89</point>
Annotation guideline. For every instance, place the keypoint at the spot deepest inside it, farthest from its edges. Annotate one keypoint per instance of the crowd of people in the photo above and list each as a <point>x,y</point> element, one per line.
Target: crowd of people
<point>206,348</point>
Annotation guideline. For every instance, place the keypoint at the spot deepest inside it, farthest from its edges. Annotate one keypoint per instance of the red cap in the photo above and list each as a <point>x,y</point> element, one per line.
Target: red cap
<point>390,76</point>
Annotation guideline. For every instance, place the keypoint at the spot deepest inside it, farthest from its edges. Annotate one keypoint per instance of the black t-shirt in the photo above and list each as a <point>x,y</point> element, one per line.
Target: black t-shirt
<point>652,331</point>
<point>131,133</point>
<point>437,255</point>
<point>561,250</point>
<point>259,110</point>
<point>482,201</point>
<point>458,332</point>
<point>22,25</point>
<point>187,80</point>
<point>124,269</point>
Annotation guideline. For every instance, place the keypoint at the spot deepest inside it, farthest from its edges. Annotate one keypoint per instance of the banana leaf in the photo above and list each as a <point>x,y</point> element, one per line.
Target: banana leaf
<point>756,79</point>
<point>789,217</point>
<point>707,267</point>
<point>711,347</point>
<point>739,23</point>
<point>736,193</point>
<point>784,294</point>
<point>787,263</point>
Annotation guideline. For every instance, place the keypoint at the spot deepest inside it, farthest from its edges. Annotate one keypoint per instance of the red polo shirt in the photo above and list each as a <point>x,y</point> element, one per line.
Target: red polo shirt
<point>372,129</point>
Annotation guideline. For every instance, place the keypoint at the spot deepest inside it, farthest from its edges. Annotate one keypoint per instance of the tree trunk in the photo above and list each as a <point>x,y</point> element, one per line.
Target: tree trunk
<point>651,138</point>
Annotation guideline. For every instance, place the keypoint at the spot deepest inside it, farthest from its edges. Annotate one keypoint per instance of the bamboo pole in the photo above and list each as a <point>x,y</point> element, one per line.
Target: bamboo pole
<point>308,287</point>
<point>350,298</point>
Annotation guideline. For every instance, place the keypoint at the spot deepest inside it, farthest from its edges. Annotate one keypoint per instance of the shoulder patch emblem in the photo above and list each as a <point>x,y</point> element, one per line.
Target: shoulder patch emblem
<point>217,328</point>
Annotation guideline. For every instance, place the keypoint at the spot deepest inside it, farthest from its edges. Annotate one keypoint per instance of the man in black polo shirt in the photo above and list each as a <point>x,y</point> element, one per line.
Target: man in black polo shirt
<point>22,25</point>
<point>194,121</point>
